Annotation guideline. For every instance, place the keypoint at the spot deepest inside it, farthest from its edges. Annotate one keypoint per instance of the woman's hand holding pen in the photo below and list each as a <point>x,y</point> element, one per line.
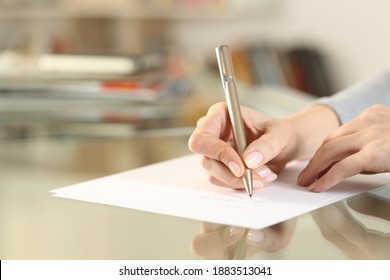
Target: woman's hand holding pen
<point>272,143</point>
<point>213,139</point>
<point>359,146</point>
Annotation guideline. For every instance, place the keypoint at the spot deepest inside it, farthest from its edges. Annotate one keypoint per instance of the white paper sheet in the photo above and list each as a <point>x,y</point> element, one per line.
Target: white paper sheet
<point>180,188</point>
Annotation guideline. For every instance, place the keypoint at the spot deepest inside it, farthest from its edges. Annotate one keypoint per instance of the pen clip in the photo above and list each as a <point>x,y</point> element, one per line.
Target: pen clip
<point>225,65</point>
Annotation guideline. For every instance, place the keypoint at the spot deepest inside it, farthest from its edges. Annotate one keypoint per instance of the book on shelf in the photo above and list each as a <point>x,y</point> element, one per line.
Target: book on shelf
<point>242,68</point>
<point>142,90</point>
<point>143,78</point>
<point>301,68</point>
<point>312,72</point>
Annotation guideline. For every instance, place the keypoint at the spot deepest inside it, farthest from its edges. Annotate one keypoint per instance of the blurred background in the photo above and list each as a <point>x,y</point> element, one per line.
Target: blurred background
<point>146,53</point>
<point>149,52</point>
<point>93,87</point>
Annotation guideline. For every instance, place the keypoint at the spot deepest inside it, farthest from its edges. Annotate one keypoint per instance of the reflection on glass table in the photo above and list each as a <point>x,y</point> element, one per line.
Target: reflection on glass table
<point>231,242</point>
<point>342,224</point>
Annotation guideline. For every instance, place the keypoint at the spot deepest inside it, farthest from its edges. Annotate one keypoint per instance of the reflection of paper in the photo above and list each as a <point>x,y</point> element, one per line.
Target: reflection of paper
<point>179,187</point>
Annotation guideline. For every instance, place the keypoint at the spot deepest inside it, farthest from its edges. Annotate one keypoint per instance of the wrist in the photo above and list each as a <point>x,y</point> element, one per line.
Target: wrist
<point>310,127</point>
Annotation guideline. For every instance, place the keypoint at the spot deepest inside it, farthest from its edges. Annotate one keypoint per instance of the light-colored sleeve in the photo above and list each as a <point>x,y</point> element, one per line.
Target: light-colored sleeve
<point>353,100</point>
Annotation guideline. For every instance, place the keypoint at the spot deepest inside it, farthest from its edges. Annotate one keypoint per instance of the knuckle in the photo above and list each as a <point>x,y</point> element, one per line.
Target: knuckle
<point>325,148</point>
<point>373,113</point>
<point>220,153</point>
<point>327,139</point>
<point>217,107</point>
<point>326,180</point>
<point>200,120</point>
<point>220,105</point>
<point>198,142</point>
<point>275,145</point>
<point>333,176</point>
<point>205,163</point>
<point>371,157</point>
<point>194,143</point>
<point>213,180</point>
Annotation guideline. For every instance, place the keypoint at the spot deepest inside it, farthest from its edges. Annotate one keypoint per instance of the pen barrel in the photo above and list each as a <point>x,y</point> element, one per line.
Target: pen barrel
<point>229,85</point>
<point>236,117</point>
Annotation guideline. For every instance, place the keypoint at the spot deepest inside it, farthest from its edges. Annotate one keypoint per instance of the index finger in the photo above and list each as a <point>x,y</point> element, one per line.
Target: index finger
<point>210,136</point>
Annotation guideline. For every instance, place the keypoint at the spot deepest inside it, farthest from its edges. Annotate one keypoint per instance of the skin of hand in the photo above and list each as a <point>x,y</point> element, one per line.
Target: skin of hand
<point>359,146</point>
<point>221,241</point>
<point>213,139</point>
<point>271,142</point>
<point>340,227</point>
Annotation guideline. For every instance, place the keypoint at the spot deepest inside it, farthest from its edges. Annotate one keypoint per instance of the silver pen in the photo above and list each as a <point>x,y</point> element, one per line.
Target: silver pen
<point>229,85</point>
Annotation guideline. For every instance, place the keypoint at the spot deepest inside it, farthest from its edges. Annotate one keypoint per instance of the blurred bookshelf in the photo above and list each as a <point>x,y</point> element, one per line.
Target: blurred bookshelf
<point>117,26</point>
<point>37,101</point>
<point>304,68</point>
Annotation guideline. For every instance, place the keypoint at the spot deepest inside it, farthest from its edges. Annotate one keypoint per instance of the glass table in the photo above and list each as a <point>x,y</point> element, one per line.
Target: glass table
<point>35,225</point>
<point>46,144</point>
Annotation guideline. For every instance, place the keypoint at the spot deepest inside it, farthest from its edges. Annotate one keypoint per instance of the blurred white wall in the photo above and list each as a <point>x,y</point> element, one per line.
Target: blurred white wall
<point>355,34</point>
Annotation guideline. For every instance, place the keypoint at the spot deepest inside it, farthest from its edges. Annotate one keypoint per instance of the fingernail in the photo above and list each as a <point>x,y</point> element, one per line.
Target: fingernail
<point>263,171</point>
<point>271,177</point>
<point>266,174</point>
<point>255,236</point>
<point>253,159</point>
<point>234,168</point>
<point>235,231</point>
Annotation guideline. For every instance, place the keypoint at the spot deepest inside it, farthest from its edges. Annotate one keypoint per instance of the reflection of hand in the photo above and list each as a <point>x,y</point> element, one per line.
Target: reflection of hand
<point>356,241</point>
<point>359,146</point>
<point>223,242</point>
<point>371,205</point>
